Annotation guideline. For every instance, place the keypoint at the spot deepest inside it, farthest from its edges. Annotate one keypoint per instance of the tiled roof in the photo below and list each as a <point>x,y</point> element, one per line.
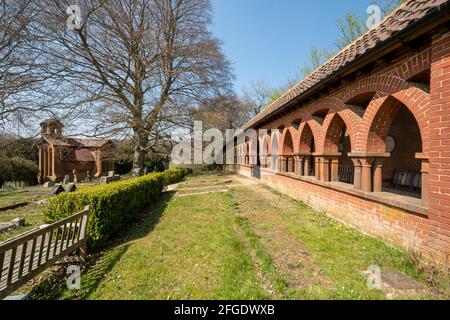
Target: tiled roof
<point>75,142</point>
<point>399,19</point>
<point>78,154</point>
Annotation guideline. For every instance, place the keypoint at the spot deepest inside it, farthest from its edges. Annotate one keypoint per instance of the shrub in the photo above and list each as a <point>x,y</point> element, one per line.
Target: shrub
<point>113,206</point>
<point>18,169</point>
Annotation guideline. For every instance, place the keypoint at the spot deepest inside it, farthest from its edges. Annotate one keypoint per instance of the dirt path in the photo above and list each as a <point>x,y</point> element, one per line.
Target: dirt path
<point>264,211</point>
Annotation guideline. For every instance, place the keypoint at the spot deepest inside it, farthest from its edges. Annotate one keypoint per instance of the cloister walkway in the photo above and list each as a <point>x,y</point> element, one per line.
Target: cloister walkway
<point>228,237</point>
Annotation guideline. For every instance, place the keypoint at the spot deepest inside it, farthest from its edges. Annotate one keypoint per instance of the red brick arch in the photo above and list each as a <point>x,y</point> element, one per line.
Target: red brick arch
<point>265,145</point>
<point>332,124</point>
<point>379,83</point>
<point>274,142</point>
<point>379,115</point>
<point>333,132</point>
<point>306,135</point>
<point>288,138</point>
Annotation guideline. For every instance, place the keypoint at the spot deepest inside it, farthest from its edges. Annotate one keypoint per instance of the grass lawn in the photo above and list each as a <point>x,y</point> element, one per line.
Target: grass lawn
<point>31,212</point>
<point>248,243</point>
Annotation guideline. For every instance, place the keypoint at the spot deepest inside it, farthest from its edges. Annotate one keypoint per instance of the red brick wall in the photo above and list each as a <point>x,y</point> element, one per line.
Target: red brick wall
<point>439,151</point>
<point>397,226</point>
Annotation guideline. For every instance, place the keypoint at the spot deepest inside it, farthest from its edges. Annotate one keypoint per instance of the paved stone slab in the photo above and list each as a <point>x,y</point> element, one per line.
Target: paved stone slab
<point>396,284</point>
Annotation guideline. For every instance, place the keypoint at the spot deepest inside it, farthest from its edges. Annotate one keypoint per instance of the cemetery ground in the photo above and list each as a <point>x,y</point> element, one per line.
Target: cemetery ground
<point>226,237</point>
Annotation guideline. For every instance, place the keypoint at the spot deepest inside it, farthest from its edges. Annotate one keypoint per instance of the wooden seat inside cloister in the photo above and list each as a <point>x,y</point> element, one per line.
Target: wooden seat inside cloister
<point>366,136</point>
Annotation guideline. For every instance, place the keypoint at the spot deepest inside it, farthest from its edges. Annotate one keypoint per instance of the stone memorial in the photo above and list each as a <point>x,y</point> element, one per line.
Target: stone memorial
<point>49,184</point>
<point>71,187</point>
<point>57,190</point>
<point>66,179</point>
<point>75,178</point>
<point>137,172</point>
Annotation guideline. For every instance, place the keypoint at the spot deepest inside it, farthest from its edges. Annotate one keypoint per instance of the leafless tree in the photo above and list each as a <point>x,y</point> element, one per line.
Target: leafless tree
<point>140,65</point>
<point>223,112</point>
<point>257,96</point>
<point>16,63</point>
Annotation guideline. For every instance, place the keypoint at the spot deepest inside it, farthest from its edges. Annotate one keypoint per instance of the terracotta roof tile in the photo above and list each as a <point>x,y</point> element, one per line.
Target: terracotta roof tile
<point>401,18</point>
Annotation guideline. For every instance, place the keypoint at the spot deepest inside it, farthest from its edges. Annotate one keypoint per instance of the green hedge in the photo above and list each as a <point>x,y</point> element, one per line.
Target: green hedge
<point>113,206</point>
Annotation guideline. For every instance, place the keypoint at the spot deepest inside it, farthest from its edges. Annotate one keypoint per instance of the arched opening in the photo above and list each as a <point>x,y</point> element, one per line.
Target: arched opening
<point>306,150</point>
<point>235,150</point>
<point>288,153</point>
<point>265,152</point>
<point>247,151</point>
<point>336,165</point>
<point>274,152</point>
<point>396,133</point>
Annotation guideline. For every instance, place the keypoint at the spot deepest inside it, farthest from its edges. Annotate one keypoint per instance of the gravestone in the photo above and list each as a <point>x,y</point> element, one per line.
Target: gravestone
<point>137,172</point>
<point>75,178</point>
<point>66,179</point>
<point>111,173</point>
<point>19,222</point>
<point>88,176</point>
<point>71,187</point>
<point>49,184</point>
<point>109,179</point>
<point>57,190</point>
<point>145,171</point>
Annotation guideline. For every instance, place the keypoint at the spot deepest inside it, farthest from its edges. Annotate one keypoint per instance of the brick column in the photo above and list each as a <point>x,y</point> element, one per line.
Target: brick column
<point>378,175</point>
<point>325,169</point>
<point>45,162</point>
<point>298,166</point>
<point>334,169</point>
<point>41,164</point>
<point>366,174</point>
<point>307,167</point>
<point>357,173</point>
<point>317,161</point>
<point>281,164</point>
<point>425,182</point>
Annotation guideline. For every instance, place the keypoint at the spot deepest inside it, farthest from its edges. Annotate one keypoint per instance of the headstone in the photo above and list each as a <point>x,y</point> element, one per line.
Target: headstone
<point>66,179</point>
<point>20,222</point>
<point>49,184</point>
<point>111,173</point>
<point>145,171</point>
<point>88,176</point>
<point>71,187</point>
<point>57,190</point>
<point>137,172</point>
<point>106,180</point>
<point>75,178</point>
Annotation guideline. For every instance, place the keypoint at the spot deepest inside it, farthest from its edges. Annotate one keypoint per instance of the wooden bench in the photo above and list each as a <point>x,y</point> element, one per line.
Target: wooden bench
<point>407,178</point>
<point>346,173</point>
<point>22,258</point>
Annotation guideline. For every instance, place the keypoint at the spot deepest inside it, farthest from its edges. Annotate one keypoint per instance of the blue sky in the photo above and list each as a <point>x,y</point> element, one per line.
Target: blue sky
<point>268,40</point>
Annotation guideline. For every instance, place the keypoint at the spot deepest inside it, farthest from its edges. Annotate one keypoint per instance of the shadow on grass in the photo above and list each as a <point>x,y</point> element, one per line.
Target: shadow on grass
<point>101,263</point>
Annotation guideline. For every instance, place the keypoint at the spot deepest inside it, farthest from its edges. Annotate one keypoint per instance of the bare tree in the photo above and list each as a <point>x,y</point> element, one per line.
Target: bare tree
<point>139,65</point>
<point>16,63</point>
<point>223,112</point>
<point>257,97</point>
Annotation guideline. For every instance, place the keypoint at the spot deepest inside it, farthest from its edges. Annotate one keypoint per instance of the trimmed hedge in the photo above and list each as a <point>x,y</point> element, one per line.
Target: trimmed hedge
<point>113,206</point>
